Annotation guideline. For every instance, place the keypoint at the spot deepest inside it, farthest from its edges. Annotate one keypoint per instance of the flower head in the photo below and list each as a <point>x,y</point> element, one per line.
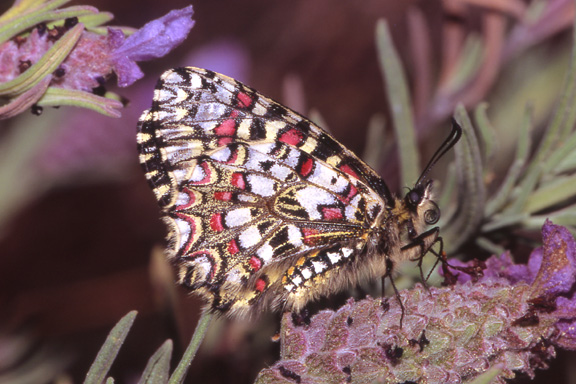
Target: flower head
<point>510,319</point>
<point>66,62</point>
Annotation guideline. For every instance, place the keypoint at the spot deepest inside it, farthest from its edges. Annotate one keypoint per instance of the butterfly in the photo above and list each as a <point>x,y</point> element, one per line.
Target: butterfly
<point>265,210</point>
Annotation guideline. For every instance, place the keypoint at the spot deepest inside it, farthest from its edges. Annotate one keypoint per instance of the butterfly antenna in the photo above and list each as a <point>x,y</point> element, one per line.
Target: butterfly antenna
<point>448,143</point>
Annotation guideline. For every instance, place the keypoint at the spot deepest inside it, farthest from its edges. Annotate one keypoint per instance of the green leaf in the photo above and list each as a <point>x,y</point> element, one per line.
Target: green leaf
<point>25,100</point>
<point>376,145</point>
<point>157,370</point>
<point>400,106</point>
<point>553,192</point>
<point>95,20</point>
<point>55,97</point>
<point>472,194</point>
<point>525,135</point>
<point>486,131</point>
<point>467,66</point>
<point>522,192</point>
<point>27,7</point>
<point>448,193</point>
<point>504,220</point>
<point>562,121</point>
<point>560,153</point>
<point>84,13</point>
<point>568,164</point>
<point>27,21</point>
<point>503,195</point>
<point>565,216</point>
<point>109,350</point>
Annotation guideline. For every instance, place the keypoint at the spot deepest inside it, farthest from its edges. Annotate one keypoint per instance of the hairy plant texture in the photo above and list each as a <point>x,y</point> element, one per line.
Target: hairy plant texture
<point>52,56</point>
<point>510,319</point>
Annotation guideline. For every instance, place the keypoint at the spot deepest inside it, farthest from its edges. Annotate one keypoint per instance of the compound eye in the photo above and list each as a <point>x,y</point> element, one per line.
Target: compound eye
<point>413,198</point>
<point>432,215</point>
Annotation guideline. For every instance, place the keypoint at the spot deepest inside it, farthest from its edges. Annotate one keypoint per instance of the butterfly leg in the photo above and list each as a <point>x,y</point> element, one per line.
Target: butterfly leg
<point>389,269</point>
<point>426,241</point>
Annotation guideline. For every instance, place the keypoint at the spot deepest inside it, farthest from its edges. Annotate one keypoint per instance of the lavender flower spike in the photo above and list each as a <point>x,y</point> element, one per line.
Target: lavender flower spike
<point>49,61</point>
<point>507,319</point>
<point>154,40</point>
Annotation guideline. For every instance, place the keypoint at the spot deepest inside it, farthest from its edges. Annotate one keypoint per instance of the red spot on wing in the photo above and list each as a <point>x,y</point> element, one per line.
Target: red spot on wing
<point>347,169</point>
<point>216,222</point>
<point>191,199</point>
<point>227,128</point>
<point>310,236</point>
<point>352,191</point>
<point>233,157</point>
<point>238,180</point>
<point>261,285</point>
<point>307,167</point>
<point>223,141</point>
<point>255,263</point>
<point>332,214</point>
<point>223,196</point>
<point>292,137</point>
<point>207,174</point>
<point>192,227</point>
<point>233,247</point>
<point>244,100</point>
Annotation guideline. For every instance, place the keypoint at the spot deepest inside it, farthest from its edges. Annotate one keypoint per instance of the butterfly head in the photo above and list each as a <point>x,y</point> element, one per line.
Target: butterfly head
<point>418,201</point>
<point>417,210</point>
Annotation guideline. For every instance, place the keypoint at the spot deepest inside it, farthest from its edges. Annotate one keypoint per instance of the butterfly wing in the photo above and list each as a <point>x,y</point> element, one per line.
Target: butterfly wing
<point>261,203</point>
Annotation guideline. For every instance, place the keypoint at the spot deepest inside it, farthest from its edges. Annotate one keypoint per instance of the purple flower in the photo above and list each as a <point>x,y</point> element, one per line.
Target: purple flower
<point>154,40</point>
<point>70,63</point>
<point>551,273</point>
<point>510,317</point>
